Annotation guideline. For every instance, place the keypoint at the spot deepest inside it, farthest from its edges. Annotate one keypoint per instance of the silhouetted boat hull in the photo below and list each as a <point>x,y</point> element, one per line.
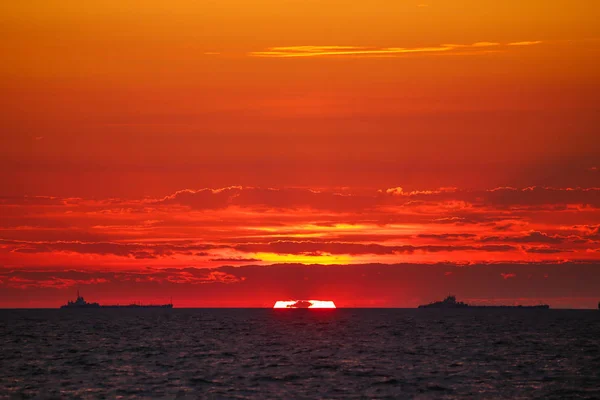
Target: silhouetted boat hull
<point>80,303</point>
<point>451,303</point>
<point>96,305</point>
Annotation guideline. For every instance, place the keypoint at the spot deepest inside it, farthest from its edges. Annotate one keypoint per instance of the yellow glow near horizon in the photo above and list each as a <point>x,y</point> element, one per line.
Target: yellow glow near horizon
<point>324,259</point>
<point>313,303</point>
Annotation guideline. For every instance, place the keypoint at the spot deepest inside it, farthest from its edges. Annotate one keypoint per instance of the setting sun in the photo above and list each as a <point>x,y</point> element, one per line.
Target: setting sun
<point>304,304</point>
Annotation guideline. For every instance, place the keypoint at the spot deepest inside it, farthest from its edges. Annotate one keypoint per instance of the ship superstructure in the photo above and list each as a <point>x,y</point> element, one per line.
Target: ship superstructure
<point>80,303</point>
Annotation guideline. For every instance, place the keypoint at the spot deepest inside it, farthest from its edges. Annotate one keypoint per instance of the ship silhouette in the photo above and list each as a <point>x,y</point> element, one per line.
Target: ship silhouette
<point>450,302</point>
<point>300,304</point>
<point>81,303</point>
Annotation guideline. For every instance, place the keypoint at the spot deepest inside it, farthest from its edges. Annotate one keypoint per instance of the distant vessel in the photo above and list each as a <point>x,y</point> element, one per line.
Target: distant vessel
<point>300,304</point>
<point>450,302</point>
<point>81,303</point>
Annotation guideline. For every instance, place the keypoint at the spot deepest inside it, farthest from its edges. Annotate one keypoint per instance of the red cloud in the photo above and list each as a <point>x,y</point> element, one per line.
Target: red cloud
<point>304,247</point>
<point>531,237</point>
<point>134,250</point>
<point>364,224</point>
<point>328,200</point>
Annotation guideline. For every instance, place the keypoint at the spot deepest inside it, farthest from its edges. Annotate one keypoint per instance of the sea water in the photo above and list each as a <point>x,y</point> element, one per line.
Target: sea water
<point>265,353</point>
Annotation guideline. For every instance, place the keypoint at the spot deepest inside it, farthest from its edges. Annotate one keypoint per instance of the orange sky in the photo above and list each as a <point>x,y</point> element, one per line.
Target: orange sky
<point>153,143</point>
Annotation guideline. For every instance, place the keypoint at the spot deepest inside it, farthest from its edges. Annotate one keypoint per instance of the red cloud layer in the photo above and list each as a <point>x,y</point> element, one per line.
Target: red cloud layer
<point>208,228</point>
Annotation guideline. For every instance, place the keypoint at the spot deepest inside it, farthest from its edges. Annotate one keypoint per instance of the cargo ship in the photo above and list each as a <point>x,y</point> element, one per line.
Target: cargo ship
<point>81,303</point>
<point>450,302</point>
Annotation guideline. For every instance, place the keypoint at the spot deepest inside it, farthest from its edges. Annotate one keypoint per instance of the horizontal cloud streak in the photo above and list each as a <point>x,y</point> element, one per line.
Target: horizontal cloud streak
<point>135,250</point>
<point>525,43</point>
<point>288,247</point>
<point>546,197</point>
<point>360,51</point>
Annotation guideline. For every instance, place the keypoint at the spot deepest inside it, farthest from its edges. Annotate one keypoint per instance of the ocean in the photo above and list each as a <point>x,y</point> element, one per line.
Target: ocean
<point>304,354</point>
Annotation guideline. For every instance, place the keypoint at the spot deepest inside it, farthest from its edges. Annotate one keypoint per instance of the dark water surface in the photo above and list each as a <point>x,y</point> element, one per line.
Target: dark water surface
<point>259,353</point>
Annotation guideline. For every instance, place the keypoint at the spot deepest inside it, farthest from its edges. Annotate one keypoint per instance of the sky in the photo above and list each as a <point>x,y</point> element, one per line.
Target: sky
<point>232,153</point>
